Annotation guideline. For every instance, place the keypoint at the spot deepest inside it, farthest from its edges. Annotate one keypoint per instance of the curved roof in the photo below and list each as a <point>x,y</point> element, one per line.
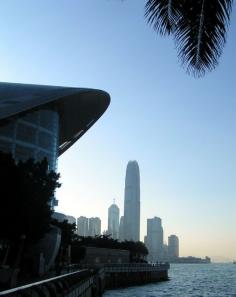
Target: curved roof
<point>79,108</point>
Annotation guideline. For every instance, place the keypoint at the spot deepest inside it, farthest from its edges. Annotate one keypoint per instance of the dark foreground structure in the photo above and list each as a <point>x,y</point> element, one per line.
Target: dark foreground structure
<point>93,281</point>
<point>44,121</point>
<point>38,122</point>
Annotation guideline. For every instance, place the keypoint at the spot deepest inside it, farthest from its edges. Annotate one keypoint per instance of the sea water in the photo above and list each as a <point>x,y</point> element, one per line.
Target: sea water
<point>188,280</point>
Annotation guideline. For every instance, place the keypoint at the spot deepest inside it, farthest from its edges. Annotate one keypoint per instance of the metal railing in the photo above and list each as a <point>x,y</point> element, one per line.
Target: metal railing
<point>128,267</point>
<point>135,267</point>
<point>77,282</point>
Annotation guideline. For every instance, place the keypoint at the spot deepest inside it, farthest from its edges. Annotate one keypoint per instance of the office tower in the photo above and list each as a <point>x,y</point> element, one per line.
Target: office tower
<point>94,226</point>
<point>121,229</point>
<point>154,240</point>
<point>44,121</point>
<point>82,226</point>
<point>165,255</point>
<point>173,247</point>
<point>113,221</point>
<point>132,202</point>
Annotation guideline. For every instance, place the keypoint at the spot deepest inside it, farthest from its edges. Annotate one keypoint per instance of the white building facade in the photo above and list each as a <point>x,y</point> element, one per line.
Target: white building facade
<point>154,240</point>
<point>113,221</point>
<point>173,247</point>
<point>94,227</point>
<point>82,226</point>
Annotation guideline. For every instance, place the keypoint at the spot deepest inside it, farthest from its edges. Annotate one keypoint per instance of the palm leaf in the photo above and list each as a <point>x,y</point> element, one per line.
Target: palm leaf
<point>163,14</point>
<point>199,28</point>
<point>201,33</point>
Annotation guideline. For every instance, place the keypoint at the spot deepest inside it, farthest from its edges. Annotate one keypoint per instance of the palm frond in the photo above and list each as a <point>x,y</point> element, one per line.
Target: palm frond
<point>200,34</point>
<point>163,15</point>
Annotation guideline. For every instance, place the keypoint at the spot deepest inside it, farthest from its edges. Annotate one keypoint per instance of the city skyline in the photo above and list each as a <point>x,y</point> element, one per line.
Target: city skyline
<point>180,129</point>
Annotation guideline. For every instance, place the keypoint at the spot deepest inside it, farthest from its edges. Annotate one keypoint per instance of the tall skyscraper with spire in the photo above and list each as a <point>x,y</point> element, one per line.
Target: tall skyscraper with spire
<point>113,220</point>
<point>132,202</point>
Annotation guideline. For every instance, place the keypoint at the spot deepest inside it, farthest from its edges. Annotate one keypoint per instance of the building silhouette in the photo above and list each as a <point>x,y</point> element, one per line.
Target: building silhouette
<point>94,227</point>
<point>154,240</point>
<point>173,247</point>
<point>44,121</point>
<point>82,226</point>
<point>132,202</point>
<point>113,221</point>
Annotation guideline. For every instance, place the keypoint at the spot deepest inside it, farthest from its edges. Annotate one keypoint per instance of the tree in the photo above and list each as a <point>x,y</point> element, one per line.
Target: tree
<point>137,249</point>
<point>26,190</point>
<point>67,237</point>
<point>199,29</point>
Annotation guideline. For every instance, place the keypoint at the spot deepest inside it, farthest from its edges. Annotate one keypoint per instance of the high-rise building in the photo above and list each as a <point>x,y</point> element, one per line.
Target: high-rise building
<point>173,247</point>
<point>82,226</point>
<point>113,221</point>
<point>121,229</point>
<point>94,226</point>
<point>154,240</point>
<point>165,256</point>
<point>132,202</point>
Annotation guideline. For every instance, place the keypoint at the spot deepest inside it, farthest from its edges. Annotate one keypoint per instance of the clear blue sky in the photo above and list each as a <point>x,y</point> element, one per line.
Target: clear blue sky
<point>181,130</point>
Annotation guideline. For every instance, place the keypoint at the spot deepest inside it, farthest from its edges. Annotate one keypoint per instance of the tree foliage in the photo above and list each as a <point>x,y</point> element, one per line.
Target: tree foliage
<point>198,27</point>
<point>137,249</point>
<point>26,190</point>
<point>67,232</point>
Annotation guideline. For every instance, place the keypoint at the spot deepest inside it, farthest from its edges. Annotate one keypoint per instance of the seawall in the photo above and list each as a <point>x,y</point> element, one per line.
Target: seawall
<point>134,274</point>
<point>92,281</point>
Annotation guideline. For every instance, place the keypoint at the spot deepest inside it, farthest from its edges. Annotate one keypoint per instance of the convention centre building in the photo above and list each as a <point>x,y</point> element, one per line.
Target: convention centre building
<point>39,121</point>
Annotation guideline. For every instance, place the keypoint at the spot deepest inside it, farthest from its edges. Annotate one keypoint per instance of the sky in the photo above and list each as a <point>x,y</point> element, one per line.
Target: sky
<point>180,129</point>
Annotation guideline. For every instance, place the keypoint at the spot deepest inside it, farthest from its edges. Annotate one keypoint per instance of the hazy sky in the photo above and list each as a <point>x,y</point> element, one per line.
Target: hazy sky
<point>181,130</point>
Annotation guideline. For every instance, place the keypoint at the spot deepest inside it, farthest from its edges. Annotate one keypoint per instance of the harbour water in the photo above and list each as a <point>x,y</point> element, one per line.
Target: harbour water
<point>188,280</point>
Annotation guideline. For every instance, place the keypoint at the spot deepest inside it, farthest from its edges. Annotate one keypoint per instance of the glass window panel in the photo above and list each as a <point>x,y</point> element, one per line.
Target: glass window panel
<point>5,146</point>
<point>31,117</point>
<point>46,140</point>
<point>26,133</point>
<point>23,153</point>
<point>46,119</point>
<point>7,130</point>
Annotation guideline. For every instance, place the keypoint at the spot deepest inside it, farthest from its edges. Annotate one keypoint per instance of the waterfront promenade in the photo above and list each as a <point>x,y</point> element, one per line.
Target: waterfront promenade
<point>92,281</point>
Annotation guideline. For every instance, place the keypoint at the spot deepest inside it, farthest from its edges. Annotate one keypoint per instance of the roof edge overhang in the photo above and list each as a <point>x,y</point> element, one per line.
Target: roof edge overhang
<point>78,108</point>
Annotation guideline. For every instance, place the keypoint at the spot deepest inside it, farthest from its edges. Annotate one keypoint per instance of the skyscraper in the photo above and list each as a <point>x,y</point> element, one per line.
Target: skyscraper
<point>173,247</point>
<point>154,239</point>
<point>94,226</point>
<point>113,221</point>
<point>121,229</point>
<point>132,202</point>
<point>82,226</point>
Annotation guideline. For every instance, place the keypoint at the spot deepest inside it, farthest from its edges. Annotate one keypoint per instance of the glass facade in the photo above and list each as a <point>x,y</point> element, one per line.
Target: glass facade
<point>34,135</point>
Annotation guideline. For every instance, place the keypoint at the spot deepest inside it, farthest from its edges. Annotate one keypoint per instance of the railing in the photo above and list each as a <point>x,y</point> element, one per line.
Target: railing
<point>135,267</point>
<point>128,267</point>
<point>76,282</point>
